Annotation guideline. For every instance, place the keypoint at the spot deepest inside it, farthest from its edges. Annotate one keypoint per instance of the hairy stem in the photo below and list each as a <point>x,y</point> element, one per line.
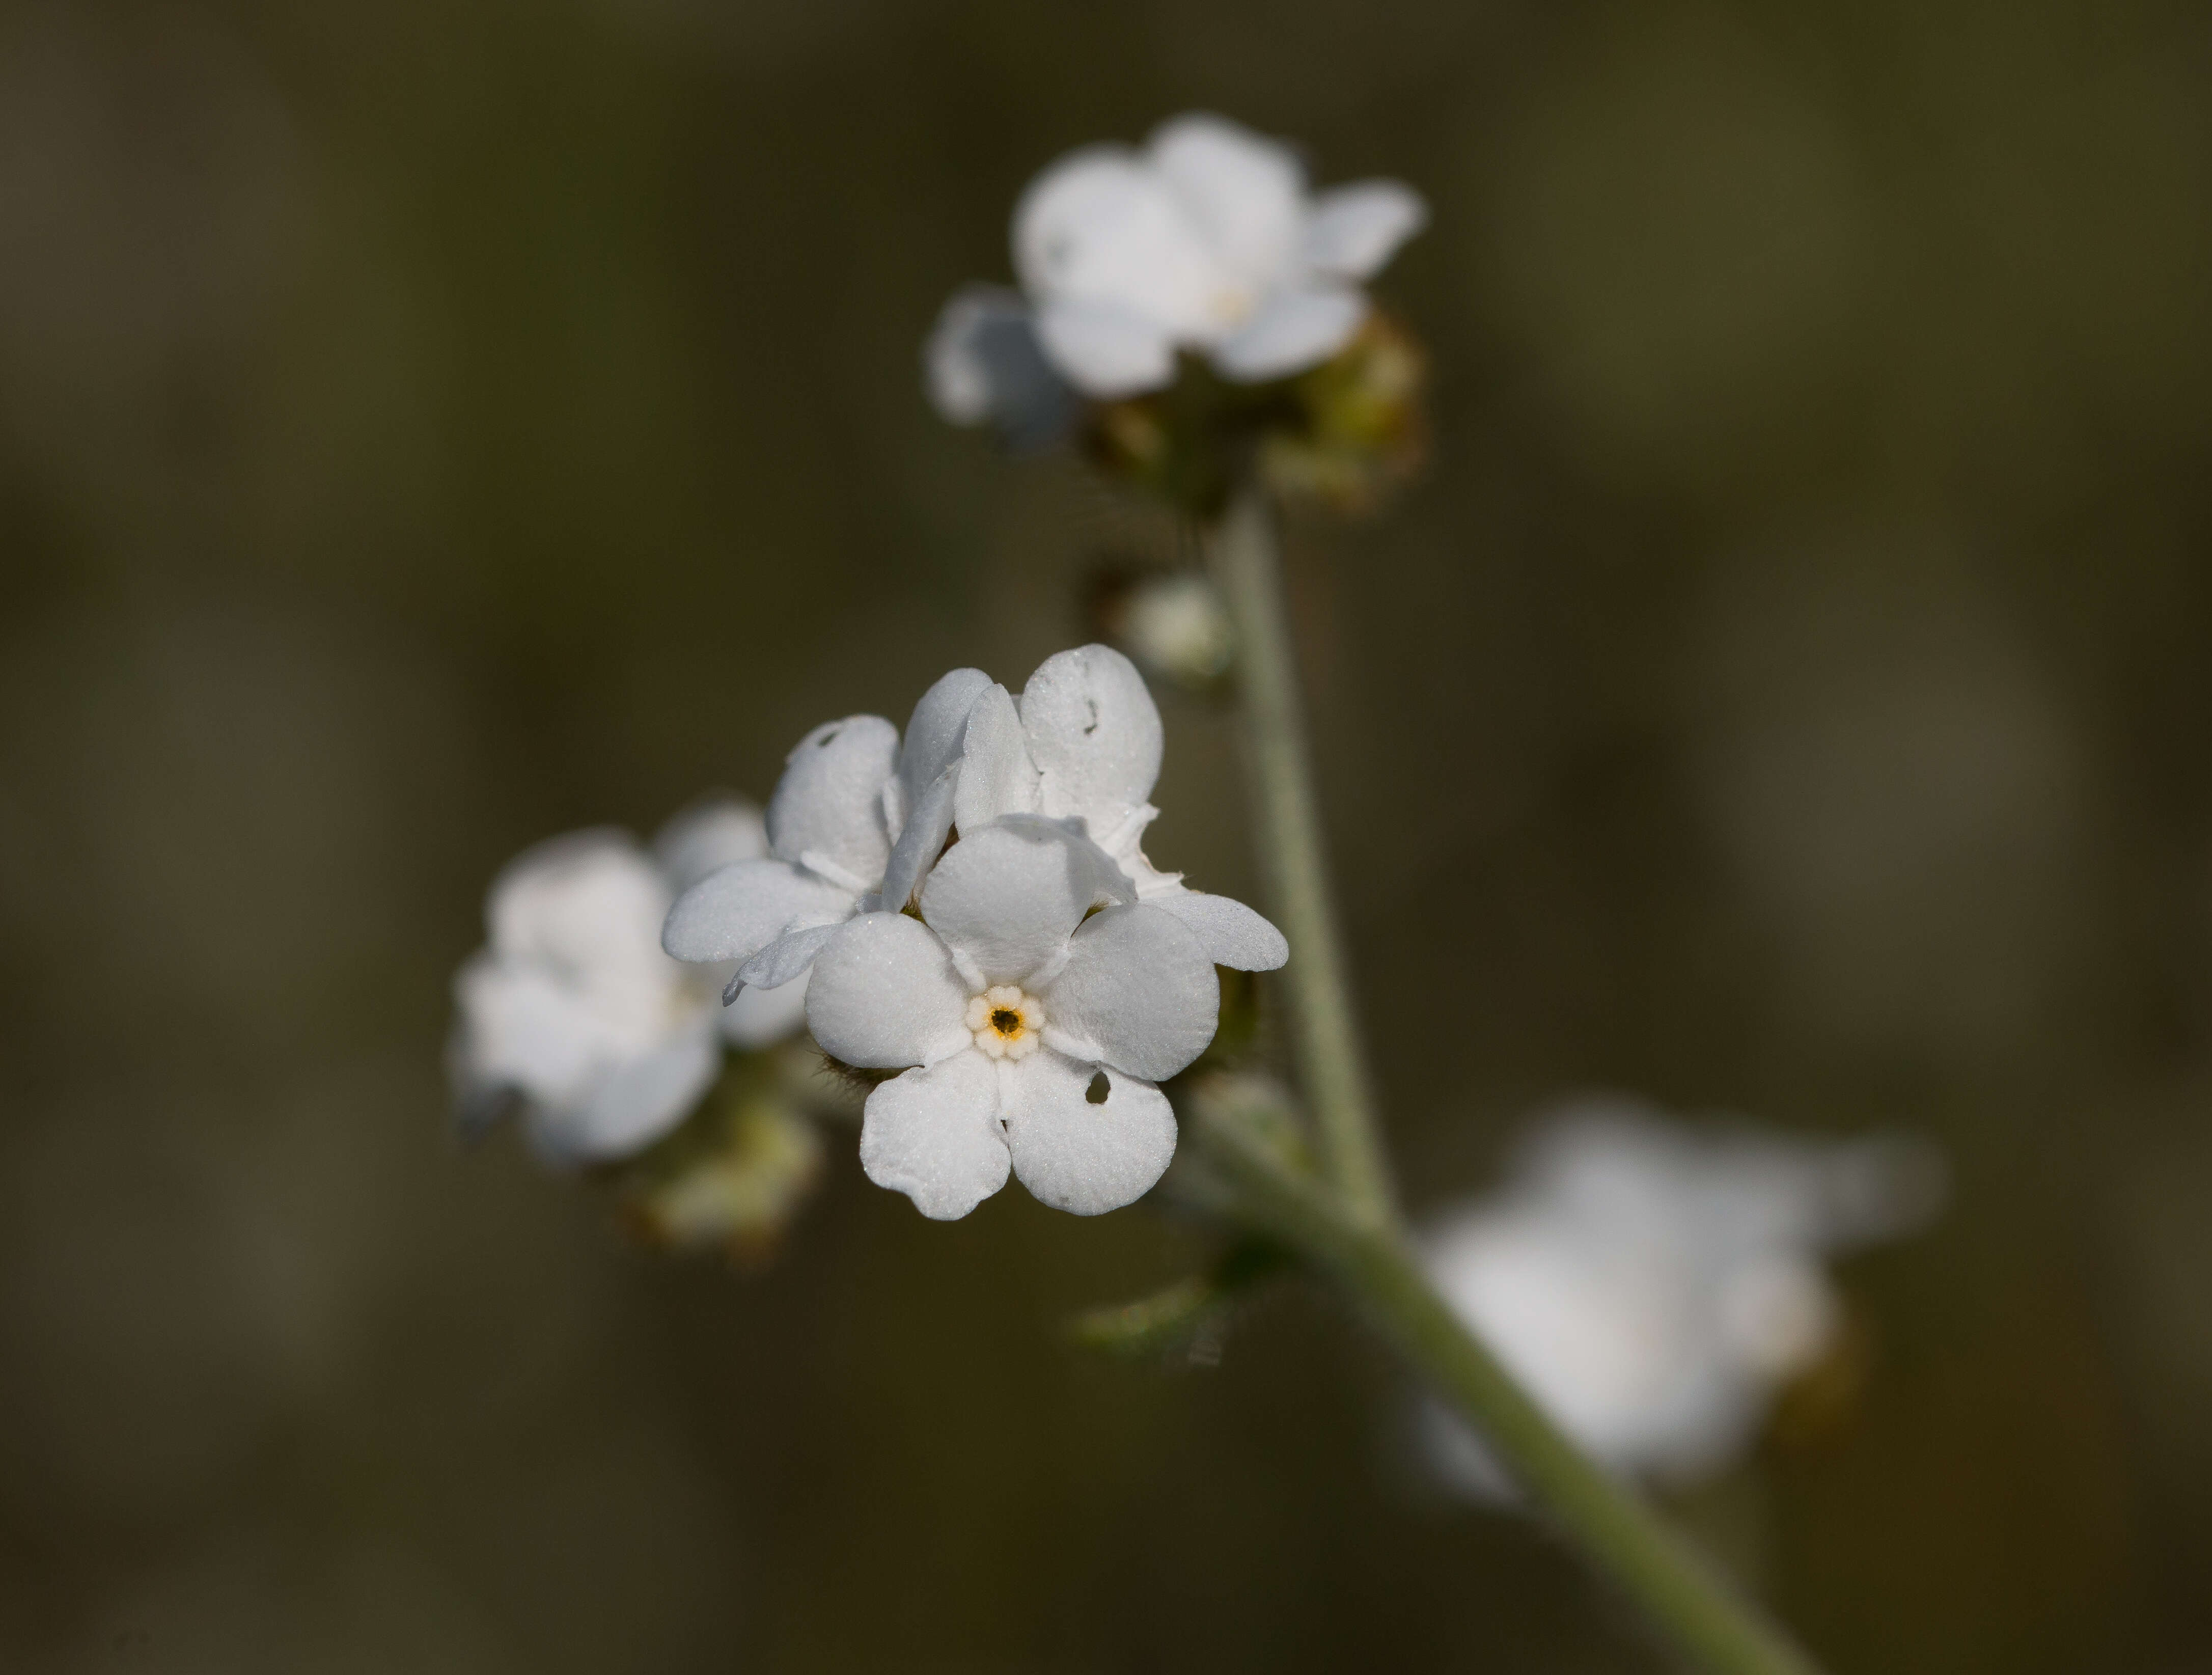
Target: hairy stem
<point>1675,1587</point>
<point>1333,1067</point>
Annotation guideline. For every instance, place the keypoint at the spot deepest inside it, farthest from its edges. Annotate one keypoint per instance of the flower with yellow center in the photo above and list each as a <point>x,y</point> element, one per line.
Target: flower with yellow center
<point>1034,1006</point>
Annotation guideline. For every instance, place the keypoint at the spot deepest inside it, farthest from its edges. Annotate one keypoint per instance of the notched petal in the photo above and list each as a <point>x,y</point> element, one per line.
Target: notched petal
<point>934,1135</point>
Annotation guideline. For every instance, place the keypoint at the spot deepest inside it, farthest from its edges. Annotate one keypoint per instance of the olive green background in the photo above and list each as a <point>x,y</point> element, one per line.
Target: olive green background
<point>426,427</point>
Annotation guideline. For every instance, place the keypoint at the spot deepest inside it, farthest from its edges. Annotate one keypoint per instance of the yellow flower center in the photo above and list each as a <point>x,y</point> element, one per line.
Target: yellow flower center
<point>1005,1022</point>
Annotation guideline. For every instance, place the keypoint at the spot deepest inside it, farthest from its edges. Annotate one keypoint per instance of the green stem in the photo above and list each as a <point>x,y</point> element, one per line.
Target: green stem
<point>1332,1065</point>
<point>1680,1591</point>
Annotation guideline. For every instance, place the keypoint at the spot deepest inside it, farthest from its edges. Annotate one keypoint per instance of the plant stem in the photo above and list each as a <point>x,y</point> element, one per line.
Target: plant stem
<point>1676,1586</point>
<point>1332,1065</point>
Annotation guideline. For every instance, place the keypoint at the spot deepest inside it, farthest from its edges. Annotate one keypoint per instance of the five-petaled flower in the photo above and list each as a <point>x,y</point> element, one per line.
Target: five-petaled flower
<point>1206,241</point>
<point>572,1007</point>
<point>1033,1008</point>
<point>866,834</point>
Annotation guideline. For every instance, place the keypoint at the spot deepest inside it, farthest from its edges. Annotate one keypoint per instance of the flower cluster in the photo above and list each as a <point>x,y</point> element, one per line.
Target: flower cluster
<point>1206,254</point>
<point>971,908</point>
<point>1654,1287</point>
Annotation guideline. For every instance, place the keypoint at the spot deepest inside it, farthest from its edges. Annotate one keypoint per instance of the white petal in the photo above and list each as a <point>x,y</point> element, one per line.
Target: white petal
<point>760,1017</point>
<point>632,1105</point>
<point>1101,227</point>
<point>521,1027</point>
<point>1352,231</point>
<point>884,994</point>
<point>707,836</point>
<point>1104,350</point>
<point>934,731</point>
<point>1005,898</point>
<point>928,776</point>
<point>1231,933</point>
<point>1094,733</point>
<point>787,958</point>
<point>922,839</point>
<point>1074,1155</point>
<point>829,801</point>
<point>1138,993</point>
<point>996,775</point>
<point>985,365</point>
<point>1293,331</point>
<point>578,902</point>
<point>1244,194</point>
<point>934,1135</point>
<point>736,912</point>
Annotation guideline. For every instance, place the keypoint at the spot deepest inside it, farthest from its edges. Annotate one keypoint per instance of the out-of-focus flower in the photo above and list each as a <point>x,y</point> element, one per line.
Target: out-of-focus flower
<point>1032,1009</point>
<point>1207,245</point>
<point>1653,1287</point>
<point>1170,623</point>
<point>573,1006</point>
<point>1207,240</point>
<point>985,366</point>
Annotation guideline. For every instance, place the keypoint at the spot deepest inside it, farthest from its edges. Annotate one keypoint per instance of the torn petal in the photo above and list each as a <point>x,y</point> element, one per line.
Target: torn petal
<point>1094,732</point>
<point>1080,1155</point>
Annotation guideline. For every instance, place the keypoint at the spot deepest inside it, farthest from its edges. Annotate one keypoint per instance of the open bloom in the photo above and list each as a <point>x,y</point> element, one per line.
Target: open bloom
<point>1652,1288</point>
<point>1083,743</point>
<point>1207,240</point>
<point>860,817</point>
<point>1032,1008</point>
<point>572,1007</point>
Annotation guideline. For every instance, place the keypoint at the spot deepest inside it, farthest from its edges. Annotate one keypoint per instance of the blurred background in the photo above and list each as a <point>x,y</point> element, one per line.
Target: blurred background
<point>424,428</point>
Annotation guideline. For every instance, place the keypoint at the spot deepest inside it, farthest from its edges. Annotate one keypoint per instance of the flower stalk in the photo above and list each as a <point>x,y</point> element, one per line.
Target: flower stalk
<point>1247,564</point>
<point>1345,1223</point>
<point>1675,1587</point>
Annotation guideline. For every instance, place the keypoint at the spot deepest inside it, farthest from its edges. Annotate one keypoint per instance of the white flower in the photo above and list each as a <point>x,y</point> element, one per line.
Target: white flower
<point>1084,743</point>
<point>572,1005</point>
<point>1652,1288</point>
<point>1207,240</point>
<point>859,819</point>
<point>1033,1008</point>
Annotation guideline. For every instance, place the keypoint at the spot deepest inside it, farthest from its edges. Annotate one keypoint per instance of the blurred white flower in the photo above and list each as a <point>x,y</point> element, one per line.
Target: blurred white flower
<point>1207,240</point>
<point>1033,1008</point>
<point>860,818</point>
<point>1652,1287</point>
<point>573,1007</point>
<point>984,365</point>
